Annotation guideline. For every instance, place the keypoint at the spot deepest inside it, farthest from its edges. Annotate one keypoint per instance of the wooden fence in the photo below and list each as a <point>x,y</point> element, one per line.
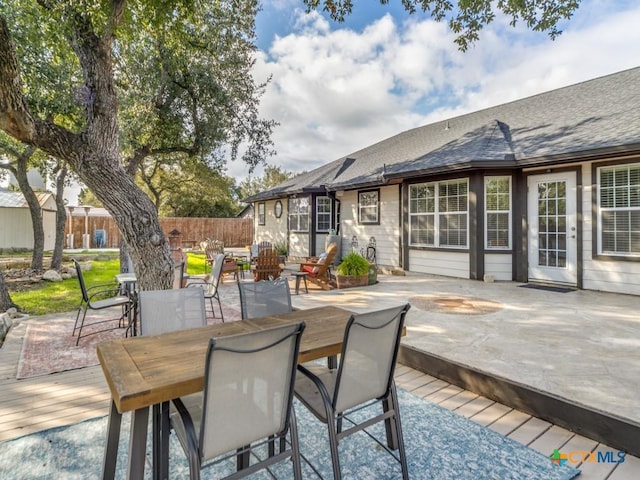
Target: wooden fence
<point>234,232</point>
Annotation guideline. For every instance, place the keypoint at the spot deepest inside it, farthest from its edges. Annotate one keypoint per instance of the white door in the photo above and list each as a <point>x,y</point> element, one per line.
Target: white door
<point>552,229</point>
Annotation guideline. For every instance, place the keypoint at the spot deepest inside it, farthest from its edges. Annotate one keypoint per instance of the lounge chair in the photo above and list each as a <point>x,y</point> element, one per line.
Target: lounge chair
<point>318,268</point>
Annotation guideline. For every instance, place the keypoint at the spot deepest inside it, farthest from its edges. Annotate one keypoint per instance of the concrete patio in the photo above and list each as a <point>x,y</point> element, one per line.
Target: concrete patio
<point>572,358</point>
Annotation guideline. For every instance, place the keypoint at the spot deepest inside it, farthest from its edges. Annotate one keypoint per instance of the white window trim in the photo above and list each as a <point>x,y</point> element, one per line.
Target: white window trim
<point>437,214</point>
<point>486,214</point>
<point>600,210</point>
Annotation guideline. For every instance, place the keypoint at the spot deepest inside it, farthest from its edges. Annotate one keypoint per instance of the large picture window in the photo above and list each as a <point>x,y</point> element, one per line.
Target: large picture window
<point>299,214</point>
<point>497,207</point>
<point>619,210</point>
<point>368,207</point>
<point>323,214</point>
<point>438,214</point>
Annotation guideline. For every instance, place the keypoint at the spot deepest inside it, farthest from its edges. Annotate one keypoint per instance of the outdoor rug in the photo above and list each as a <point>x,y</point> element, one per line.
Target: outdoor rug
<point>440,445</point>
<point>48,346</point>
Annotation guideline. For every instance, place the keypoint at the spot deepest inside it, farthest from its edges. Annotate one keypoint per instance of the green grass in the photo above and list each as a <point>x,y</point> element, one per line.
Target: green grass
<point>58,297</point>
<point>196,263</point>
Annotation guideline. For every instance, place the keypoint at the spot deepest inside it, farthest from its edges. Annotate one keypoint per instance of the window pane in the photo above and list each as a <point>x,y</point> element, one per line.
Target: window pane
<point>422,229</point>
<point>368,207</point>
<point>619,196</point>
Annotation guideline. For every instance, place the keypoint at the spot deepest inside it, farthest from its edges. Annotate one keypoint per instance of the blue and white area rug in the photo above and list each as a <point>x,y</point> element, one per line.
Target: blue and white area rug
<point>440,445</point>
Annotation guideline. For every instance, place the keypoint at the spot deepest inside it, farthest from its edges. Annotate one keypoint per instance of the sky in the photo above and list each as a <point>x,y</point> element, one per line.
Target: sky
<point>338,87</point>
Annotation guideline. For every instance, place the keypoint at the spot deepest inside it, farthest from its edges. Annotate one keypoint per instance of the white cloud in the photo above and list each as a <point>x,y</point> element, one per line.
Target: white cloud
<point>335,90</point>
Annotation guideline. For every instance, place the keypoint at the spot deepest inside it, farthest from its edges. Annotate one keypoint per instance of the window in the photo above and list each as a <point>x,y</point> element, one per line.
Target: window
<point>261,215</point>
<point>323,214</point>
<point>299,214</point>
<point>619,210</point>
<point>368,207</point>
<point>497,211</point>
<point>438,214</point>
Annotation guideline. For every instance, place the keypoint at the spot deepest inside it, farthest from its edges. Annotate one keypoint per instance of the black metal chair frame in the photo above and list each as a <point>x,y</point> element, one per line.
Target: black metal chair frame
<point>99,297</point>
<point>334,419</point>
<point>242,454</point>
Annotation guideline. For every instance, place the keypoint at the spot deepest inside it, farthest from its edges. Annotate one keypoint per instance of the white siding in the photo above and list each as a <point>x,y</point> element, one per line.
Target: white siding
<point>499,265</point>
<point>16,229</point>
<point>299,244</point>
<point>387,234</point>
<point>275,229</point>
<point>449,264</point>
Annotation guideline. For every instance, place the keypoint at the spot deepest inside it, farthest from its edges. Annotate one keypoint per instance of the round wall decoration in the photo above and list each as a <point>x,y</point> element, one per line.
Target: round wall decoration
<point>277,209</point>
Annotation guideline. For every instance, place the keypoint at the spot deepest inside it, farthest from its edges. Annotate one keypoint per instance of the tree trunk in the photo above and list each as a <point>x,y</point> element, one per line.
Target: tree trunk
<point>61,216</point>
<point>93,153</point>
<point>34,209</point>
<point>5,299</point>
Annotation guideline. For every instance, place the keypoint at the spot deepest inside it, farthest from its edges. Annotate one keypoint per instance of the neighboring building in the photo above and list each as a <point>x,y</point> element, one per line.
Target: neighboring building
<point>543,189</point>
<point>246,212</point>
<point>16,229</point>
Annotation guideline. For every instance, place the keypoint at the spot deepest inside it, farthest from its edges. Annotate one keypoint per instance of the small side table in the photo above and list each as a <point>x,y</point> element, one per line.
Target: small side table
<point>303,276</point>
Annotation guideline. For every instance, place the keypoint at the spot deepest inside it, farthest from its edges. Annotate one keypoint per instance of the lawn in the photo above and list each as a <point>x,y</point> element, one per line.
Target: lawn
<point>57,297</point>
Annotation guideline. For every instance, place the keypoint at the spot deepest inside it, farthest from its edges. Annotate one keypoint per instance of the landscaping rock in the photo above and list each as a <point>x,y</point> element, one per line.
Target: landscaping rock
<point>5,325</point>
<point>52,276</point>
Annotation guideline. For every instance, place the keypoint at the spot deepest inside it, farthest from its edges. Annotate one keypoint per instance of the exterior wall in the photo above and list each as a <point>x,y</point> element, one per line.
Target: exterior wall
<point>17,230</point>
<point>499,265</point>
<point>605,275</point>
<point>435,262</point>
<point>299,245</point>
<point>387,233</point>
<point>275,229</point>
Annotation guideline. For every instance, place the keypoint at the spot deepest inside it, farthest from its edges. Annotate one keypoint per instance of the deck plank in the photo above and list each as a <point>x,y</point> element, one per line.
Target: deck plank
<point>510,422</point>
<point>530,430</point>
<point>491,414</point>
<point>458,400</point>
<point>593,470</point>
<point>552,439</point>
<point>629,470</point>
<point>474,407</point>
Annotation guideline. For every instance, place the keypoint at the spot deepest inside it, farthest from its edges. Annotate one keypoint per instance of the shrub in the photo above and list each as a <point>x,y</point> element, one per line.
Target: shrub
<point>353,264</point>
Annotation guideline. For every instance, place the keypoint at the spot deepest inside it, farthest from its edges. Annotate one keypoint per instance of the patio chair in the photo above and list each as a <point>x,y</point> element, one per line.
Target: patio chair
<point>363,377</point>
<point>211,249</point>
<point>98,297</point>
<point>178,275</point>
<point>163,311</point>
<point>247,402</point>
<point>267,265</point>
<point>210,283</point>
<point>269,297</point>
<point>318,269</point>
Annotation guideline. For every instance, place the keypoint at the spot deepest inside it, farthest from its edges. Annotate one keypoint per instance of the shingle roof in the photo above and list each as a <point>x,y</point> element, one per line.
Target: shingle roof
<point>570,123</point>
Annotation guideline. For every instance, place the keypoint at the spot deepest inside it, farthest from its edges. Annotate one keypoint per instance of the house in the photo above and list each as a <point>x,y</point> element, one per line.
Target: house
<point>544,189</point>
<point>15,220</point>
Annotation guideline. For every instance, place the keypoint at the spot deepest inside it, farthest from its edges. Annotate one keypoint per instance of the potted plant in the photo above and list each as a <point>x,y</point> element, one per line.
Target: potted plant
<point>281,248</point>
<point>353,271</point>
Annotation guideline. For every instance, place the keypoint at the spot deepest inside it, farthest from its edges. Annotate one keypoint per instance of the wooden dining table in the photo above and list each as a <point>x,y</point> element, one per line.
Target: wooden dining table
<point>150,371</point>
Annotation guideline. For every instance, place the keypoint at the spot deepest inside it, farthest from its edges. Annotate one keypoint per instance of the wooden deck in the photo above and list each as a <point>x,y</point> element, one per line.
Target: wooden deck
<point>39,403</point>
